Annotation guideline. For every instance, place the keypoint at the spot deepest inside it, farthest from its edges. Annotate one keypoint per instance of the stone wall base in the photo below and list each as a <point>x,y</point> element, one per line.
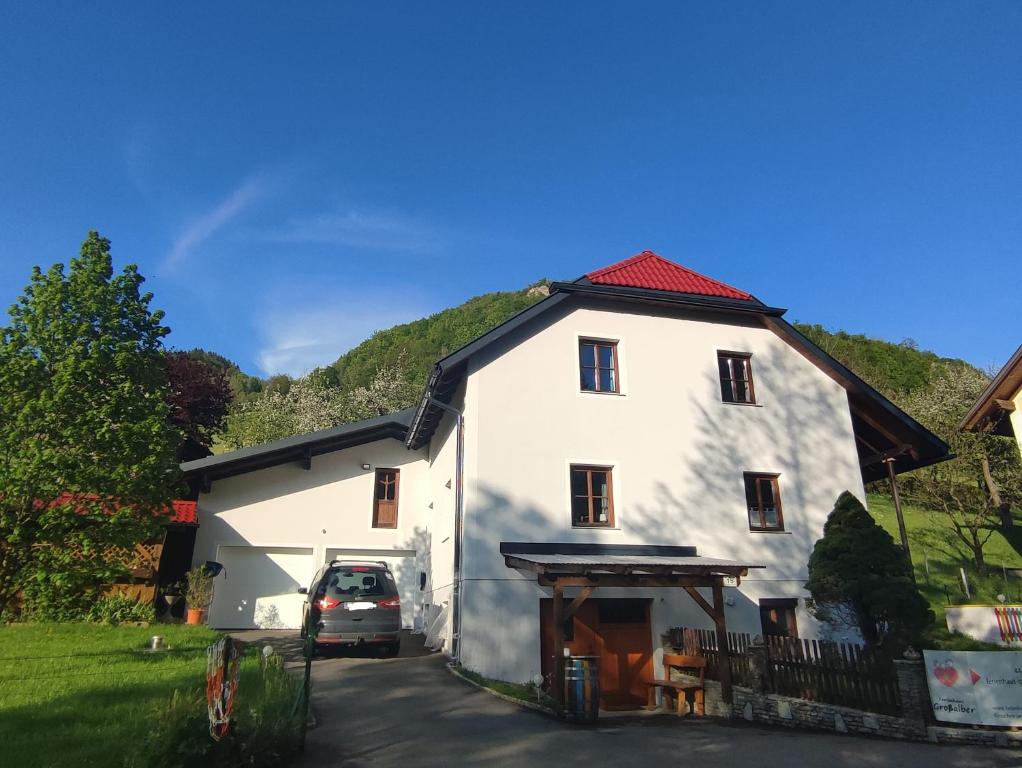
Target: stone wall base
<point>789,712</point>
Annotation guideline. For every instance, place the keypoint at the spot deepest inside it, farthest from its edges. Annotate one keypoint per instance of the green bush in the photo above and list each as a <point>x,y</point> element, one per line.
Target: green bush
<point>266,727</point>
<point>117,609</point>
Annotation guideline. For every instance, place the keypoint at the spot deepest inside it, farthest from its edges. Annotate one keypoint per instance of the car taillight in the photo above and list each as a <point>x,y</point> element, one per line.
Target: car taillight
<point>326,603</point>
<point>392,603</point>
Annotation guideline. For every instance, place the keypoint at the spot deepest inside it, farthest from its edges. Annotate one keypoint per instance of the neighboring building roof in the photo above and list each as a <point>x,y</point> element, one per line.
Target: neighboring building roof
<point>182,512</point>
<point>300,448</point>
<point>988,414</point>
<point>648,270</point>
<point>185,512</point>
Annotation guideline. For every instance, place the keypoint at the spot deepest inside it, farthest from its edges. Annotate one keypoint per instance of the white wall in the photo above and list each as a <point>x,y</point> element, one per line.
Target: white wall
<point>678,454</point>
<point>978,622</point>
<point>327,507</point>
<point>442,490</point>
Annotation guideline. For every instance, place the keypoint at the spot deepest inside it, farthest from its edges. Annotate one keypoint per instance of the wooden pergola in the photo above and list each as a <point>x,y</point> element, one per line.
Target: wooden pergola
<point>588,567</point>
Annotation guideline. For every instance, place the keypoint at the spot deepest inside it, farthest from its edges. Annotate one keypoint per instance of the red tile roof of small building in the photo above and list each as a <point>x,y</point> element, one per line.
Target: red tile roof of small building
<point>185,512</point>
<point>653,272</point>
<point>182,512</point>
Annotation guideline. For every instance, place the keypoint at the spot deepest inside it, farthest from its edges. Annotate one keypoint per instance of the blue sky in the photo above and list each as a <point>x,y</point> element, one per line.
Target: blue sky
<point>291,177</point>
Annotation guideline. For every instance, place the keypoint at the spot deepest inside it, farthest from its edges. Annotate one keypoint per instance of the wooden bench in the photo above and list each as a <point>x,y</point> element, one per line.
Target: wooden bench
<point>694,669</point>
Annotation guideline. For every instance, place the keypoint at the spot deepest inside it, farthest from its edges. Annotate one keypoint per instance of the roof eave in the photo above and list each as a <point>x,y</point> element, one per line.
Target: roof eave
<point>253,458</point>
<point>931,449</point>
<point>751,305</point>
<point>985,409</point>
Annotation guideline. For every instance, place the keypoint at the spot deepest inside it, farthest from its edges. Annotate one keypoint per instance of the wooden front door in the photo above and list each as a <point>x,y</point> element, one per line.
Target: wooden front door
<point>618,632</point>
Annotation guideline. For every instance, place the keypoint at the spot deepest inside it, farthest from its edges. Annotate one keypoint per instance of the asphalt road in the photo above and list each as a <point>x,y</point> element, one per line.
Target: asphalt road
<point>410,712</point>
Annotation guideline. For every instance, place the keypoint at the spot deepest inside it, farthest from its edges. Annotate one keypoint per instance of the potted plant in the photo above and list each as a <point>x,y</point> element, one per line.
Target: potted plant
<point>199,594</point>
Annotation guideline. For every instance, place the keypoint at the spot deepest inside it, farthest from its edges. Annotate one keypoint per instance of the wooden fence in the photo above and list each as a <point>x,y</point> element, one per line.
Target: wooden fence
<point>845,674</point>
<point>737,643</point>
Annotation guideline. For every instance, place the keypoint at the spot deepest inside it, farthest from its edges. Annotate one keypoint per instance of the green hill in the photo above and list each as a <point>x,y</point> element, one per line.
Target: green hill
<point>420,343</point>
<point>938,557</point>
<point>895,369</point>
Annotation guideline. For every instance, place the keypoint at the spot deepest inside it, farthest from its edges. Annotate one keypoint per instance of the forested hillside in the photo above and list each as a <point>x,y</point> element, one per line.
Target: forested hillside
<point>388,370</point>
<point>415,346</point>
<point>896,370</point>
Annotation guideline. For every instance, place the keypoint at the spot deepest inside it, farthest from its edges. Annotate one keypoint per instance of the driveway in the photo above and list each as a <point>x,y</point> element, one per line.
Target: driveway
<point>410,712</point>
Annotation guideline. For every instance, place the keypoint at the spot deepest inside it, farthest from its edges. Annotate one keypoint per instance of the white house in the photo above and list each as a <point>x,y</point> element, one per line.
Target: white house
<point>641,430</point>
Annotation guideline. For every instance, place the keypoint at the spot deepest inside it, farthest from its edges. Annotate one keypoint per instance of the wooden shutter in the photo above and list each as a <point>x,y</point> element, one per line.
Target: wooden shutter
<point>385,498</point>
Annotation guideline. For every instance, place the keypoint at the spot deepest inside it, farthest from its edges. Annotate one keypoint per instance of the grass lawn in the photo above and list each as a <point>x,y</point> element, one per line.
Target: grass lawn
<point>520,691</point>
<point>934,545</point>
<point>85,694</point>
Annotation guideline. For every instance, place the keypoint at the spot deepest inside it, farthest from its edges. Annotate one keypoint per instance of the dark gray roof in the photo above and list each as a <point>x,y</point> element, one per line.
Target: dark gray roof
<point>585,557</point>
<point>300,447</point>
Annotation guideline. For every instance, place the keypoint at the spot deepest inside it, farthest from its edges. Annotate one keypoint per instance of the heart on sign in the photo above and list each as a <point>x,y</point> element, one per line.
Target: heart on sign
<point>975,676</point>
<point>947,674</point>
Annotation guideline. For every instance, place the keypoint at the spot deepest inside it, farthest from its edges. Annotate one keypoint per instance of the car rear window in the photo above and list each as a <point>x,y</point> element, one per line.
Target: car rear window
<point>358,582</point>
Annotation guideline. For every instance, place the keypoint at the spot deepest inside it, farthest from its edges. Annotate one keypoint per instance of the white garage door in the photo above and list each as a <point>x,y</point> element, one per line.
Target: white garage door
<point>402,565</point>
<point>258,588</point>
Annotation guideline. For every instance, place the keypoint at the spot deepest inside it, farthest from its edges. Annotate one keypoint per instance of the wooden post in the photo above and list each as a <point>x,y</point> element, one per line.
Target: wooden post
<point>901,517</point>
<point>723,652</point>
<point>558,612</point>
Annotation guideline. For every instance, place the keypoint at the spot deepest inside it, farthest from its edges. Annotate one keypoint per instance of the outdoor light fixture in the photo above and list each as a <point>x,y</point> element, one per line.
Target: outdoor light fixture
<point>367,467</point>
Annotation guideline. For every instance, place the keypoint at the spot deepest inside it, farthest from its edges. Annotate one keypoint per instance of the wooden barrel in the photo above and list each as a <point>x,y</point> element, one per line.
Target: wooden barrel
<point>582,688</point>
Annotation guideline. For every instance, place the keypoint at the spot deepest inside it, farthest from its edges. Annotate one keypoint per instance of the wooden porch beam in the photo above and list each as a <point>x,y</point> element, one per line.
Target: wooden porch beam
<point>700,601</point>
<point>883,430</point>
<point>558,606</point>
<point>523,565</point>
<point>577,602</point>
<point>882,456</point>
<point>723,651</point>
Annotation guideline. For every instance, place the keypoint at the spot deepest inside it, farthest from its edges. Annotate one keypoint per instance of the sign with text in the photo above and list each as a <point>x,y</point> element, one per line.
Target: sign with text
<point>975,687</point>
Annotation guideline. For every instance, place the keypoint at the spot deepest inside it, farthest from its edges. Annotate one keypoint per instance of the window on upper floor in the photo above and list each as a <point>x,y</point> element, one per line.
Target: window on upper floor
<point>763,500</point>
<point>385,498</point>
<point>597,362</point>
<point>736,378</point>
<point>592,497</point>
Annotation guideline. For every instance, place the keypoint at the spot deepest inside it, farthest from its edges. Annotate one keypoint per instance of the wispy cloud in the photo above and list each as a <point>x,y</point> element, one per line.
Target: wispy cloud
<point>360,229</point>
<point>297,340</point>
<point>200,229</point>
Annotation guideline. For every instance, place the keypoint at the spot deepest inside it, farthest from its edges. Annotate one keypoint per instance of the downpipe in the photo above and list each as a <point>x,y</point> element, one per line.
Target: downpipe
<point>459,502</point>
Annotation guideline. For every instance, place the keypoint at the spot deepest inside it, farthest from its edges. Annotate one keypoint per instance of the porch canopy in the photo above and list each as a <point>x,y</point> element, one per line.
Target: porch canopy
<point>589,566</point>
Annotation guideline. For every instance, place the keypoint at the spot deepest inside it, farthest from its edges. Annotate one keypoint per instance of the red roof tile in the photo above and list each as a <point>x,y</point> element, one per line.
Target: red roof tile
<point>185,512</point>
<point>647,270</point>
<point>182,511</point>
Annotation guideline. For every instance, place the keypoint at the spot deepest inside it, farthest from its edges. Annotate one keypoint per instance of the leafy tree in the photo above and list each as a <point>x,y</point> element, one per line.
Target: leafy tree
<point>859,578</point>
<point>243,386</point>
<point>310,403</point>
<point>86,445</point>
<point>199,397</point>
<point>307,405</point>
<point>389,391</point>
<point>975,491</point>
